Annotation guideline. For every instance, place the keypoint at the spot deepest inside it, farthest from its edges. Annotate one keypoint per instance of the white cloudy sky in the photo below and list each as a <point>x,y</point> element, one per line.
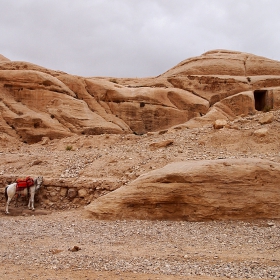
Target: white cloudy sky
<point>133,38</point>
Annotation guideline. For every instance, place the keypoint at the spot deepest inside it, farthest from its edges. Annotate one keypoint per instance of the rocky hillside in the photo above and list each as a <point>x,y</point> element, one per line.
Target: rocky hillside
<point>37,102</point>
<point>91,136</point>
<point>79,169</point>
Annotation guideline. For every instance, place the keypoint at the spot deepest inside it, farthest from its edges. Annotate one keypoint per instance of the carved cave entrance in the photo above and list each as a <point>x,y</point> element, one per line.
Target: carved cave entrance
<point>260,100</point>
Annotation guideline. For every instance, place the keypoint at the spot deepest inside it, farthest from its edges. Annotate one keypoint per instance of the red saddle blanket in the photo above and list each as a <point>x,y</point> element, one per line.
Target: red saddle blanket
<point>24,183</point>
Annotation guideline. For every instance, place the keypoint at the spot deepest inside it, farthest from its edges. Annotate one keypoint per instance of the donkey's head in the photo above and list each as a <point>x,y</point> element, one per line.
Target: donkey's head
<point>38,182</point>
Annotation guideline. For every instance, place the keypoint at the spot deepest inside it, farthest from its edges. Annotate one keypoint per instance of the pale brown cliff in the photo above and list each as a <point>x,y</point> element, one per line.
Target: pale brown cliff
<point>37,102</point>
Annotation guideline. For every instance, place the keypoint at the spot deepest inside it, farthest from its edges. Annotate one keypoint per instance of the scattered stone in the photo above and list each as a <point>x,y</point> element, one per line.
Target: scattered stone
<point>266,119</point>
<point>270,224</point>
<point>163,131</point>
<point>45,140</point>
<point>262,132</point>
<point>161,144</point>
<point>75,249</point>
<point>146,249</point>
<point>55,251</point>
<point>36,162</point>
<point>218,124</point>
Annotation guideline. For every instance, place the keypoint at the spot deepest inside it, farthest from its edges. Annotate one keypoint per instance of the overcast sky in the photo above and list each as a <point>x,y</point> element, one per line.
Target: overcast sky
<point>133,38</point>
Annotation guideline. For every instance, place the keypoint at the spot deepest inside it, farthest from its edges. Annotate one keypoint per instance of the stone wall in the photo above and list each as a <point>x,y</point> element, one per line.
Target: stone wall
<point>63,195</point>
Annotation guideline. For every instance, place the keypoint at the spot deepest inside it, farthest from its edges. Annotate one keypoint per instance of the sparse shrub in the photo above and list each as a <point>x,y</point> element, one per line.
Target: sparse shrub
<point>68,148</point>
<point>114,81</point>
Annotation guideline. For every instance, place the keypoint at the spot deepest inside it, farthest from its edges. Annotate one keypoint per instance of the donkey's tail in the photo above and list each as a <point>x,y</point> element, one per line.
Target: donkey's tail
<point>6,193</point>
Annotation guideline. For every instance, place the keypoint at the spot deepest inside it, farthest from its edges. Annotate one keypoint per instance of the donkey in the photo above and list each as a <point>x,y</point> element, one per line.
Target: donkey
<point>11,190</point>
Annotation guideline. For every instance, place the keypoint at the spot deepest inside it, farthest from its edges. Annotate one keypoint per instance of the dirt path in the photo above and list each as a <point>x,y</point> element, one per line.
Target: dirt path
<point>67,245</point>
<point>12,272</point>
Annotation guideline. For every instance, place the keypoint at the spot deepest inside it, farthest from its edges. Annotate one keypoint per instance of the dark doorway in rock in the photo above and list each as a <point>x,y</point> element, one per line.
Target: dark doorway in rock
<point>260,99</point>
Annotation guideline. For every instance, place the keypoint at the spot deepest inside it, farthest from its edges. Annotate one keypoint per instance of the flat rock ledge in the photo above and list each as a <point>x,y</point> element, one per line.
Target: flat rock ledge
<point>225,189</point>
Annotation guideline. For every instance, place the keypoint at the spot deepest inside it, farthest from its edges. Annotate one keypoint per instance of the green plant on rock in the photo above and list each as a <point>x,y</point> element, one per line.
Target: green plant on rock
<point>68,148</point>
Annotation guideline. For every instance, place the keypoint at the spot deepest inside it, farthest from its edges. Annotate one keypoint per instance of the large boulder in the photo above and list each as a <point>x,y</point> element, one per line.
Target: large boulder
<point>197,191</point>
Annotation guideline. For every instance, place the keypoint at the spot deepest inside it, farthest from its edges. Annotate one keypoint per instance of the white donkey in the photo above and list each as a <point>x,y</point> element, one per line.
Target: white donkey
<point>11,190</point>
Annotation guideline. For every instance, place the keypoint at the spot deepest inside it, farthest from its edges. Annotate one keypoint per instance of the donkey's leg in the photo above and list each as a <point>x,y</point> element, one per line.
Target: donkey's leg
<point>9,193</point>
<point>31,200</point>
<point>29,203</point>
<point>16,200</point>
<point>7,205</point>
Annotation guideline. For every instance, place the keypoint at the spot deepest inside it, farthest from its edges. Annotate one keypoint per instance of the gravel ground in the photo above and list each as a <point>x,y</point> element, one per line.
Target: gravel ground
<point>67,245</point>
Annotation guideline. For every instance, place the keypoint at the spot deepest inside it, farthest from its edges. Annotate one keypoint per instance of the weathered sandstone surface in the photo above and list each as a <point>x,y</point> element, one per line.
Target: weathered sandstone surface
<point>37,102</point>
<point>197,190</point>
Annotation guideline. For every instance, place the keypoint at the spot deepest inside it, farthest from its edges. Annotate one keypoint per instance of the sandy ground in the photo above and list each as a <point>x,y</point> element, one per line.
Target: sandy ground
<point>14,272</point>
<point>67,245</point>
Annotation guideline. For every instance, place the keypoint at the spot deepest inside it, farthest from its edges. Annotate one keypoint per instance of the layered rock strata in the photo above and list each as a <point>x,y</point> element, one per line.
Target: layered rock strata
<point>37,102</point>
<point>197,191</point>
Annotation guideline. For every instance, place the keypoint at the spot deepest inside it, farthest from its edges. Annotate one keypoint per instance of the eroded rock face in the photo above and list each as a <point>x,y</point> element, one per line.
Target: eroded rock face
<point>197,191</point>
<point>36,102</point>
<point>226,62</point>
<point>3,58</point>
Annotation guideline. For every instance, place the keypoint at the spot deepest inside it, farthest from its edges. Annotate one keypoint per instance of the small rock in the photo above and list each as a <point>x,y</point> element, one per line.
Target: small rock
<point>36,162</point>
<point>161,144</point>
<point>72,193</point>
<point>270,224</point>
<point>261,132</point>
<point>267,118</point>
<point>82,193</point>
<point>45,140</point>
<point>63,192</point>
<point>75,249</point>
<point>218,124</point>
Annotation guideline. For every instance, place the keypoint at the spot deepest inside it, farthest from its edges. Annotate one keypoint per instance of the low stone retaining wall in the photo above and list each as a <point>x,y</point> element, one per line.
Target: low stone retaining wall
<point>63,194</point>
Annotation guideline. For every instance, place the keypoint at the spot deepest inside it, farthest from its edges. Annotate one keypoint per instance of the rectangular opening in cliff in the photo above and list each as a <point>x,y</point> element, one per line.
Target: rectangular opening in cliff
<point>260,97</point>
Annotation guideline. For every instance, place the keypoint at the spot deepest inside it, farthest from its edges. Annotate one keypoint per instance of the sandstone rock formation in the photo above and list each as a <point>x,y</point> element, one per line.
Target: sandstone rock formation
<point>37,102</point>
<point>81,122</point>
<point>3,58</point>
<point>196,191</point>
